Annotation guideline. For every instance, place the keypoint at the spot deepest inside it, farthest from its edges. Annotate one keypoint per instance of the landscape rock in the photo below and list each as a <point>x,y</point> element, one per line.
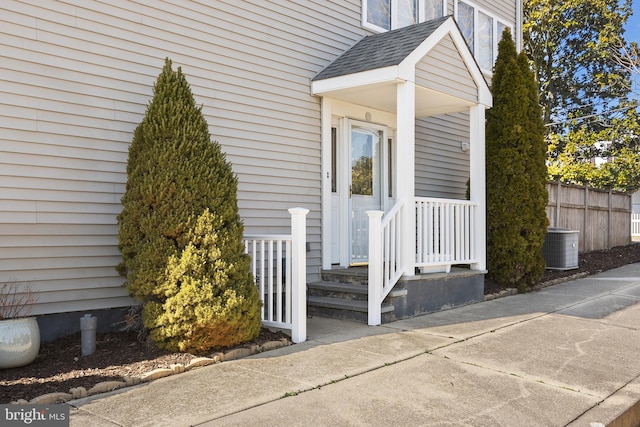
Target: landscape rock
<point>203,361</point>
<point>178,368</point>
<point>50,398</point>
<point>132,381</point>
<point>106,386</point>
<point>238,353</point>
<point>271,345</point>
<point>156,373</point>
<point>78,392</point>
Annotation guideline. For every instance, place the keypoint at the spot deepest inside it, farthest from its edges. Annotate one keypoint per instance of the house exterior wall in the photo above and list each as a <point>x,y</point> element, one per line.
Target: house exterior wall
<point>442,168</point>
<point>444,70</point>
<point>74,84</point>
<point>75,80</point>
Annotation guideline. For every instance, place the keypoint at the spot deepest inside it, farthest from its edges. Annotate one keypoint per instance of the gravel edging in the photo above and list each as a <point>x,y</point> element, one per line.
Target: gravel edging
<point>513,291</point>
<point>108,386</point>
<point>503,293</point>
<point>560,280</point>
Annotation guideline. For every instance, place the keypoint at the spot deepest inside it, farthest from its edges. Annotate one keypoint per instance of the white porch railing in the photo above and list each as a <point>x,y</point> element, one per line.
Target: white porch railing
<point>385,257</point>
<point>635,224</point>
<point>278,263</point>
<point>444,237</point>
<point>444,232</point>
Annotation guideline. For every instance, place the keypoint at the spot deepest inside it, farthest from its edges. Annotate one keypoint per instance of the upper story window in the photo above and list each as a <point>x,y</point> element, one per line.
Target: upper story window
<point>384,15</point>
<point>482,31</point>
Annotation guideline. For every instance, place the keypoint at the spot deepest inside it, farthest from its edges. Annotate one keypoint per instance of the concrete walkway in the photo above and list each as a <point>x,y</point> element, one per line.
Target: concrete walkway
<point>565,355</point>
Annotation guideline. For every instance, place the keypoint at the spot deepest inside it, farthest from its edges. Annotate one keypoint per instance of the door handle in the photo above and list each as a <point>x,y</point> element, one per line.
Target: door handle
<point>350,191</point>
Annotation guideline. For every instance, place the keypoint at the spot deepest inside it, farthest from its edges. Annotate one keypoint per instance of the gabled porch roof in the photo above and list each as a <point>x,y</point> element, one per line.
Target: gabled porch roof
<point>418,71</point>
<point>368,73</point>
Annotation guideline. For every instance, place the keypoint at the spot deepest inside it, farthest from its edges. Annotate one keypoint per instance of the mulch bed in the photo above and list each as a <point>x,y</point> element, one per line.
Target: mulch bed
<point>588,263</point>
<point>59,366</point>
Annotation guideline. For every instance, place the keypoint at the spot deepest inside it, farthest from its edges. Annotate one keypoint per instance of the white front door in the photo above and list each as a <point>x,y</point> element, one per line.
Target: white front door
<point>361,171</point>
<point>366,143</point>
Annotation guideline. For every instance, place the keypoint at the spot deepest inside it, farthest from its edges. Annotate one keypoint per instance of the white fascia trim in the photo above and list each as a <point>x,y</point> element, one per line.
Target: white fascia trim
<point>407,67</point>
<point>380,75</point>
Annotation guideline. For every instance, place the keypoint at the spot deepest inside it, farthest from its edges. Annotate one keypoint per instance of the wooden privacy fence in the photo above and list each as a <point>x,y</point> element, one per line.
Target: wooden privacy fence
<point>603,217</point>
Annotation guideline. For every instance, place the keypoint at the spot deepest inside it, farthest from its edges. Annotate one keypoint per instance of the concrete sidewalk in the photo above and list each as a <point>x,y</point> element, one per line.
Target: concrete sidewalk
<point>565,355</point>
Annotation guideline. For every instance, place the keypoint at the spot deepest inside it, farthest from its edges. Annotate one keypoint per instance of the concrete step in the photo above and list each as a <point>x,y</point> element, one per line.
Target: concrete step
<point>413,295</point>
<point>337,308</point>
<point>347,290</point>
<point>354,276</point>
<point>336,290</point>
<point>344,304</point>
<point>343,294</point>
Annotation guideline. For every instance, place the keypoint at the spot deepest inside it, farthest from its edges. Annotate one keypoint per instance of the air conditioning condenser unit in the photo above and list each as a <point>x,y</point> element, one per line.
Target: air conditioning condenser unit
<point>560,249</point>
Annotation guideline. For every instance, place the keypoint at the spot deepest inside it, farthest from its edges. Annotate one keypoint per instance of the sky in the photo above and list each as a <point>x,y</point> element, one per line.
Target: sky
<point>633,24</point>
<point>632,33</point>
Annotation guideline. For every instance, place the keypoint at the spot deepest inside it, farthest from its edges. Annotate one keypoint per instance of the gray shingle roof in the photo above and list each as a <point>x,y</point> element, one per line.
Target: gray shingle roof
<point>380,50</point>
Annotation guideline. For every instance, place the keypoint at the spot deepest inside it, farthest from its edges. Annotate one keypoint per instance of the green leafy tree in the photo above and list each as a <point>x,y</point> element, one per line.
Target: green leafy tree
<point>583,67</point>
<point>516,172</point>
<point>608,158</point>
<point>362,176</point>
<point>574,46</point>
<point>180,232</point>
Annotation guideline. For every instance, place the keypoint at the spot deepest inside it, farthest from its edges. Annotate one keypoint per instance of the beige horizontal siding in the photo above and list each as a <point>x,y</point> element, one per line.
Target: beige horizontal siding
<point>442,168</point>
<point>444,70</point>
<point>505,10</point>
<point>74,83</point>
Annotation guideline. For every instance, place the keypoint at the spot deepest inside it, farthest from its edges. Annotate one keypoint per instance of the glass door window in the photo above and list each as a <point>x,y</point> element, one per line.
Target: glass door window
<point>365,186</point>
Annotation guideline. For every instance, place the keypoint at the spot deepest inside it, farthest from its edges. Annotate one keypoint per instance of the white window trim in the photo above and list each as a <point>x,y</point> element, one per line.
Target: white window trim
<point>496,37</point>
<point>421,10</point>
<point>394,15</point>
<point>367,24</point>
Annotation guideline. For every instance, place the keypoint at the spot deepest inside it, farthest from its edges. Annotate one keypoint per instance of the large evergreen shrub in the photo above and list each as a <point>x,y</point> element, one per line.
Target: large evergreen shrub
<point>180,232</point>
<point>516,172</point>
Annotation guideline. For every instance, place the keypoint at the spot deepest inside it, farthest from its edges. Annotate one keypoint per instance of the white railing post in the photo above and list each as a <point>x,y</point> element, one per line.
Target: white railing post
<point>299,274</point>
<point>635,224</point>
<point>375,267</point>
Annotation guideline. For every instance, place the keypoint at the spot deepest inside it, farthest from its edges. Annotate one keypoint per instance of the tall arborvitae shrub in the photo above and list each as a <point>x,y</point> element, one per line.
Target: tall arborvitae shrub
<point>516,172</point>
<point>535,223</point>
<point>180,232</point>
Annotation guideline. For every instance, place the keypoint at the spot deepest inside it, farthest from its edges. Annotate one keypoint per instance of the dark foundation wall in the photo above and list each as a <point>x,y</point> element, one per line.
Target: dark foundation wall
<point>54,326</point>
<point>436,292</point>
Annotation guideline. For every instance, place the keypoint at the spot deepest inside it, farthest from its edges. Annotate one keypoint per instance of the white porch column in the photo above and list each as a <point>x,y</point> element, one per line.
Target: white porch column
<point>478,184</point>
<point>406,118</point>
